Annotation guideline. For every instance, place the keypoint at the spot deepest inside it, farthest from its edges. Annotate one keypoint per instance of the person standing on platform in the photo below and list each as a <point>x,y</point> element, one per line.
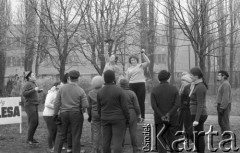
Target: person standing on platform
<point>165,102</point>
<point>136,78</point>
<point>111,64</point>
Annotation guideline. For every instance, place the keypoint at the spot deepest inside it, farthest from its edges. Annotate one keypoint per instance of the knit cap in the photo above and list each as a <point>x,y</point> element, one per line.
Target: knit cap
<point>97,81</point>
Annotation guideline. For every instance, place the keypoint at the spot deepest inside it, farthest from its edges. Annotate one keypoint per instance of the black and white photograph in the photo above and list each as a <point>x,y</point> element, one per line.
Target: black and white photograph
<point>119,76</point>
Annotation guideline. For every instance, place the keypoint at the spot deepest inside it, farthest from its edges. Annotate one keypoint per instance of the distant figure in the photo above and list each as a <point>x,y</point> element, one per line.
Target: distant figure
<point>94,118</point>
<point>17,87</point>
<point>70,100</point>
<point>165,102</point>
<point>184,110</point>
<point>134,111</point>
<point>30,93</point>
<point>48,113</point>
<point>136,78</point>
<point>113,112</point>
<point>224,99</point>
<point>9,86</point>
<point>198,107</point>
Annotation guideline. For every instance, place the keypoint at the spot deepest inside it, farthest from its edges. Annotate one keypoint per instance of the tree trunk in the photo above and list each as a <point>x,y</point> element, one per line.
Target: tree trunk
<point>2,66</point>
<point>151,36</point>
<point>202,65</point>
<point>144,25</point>
<point>37,63</point>
<point>30,34</point>
<point>171,42</point>
<point>222,33</point>
<point>232,50</point>
<point>209,68</point>
<point>62,69</point>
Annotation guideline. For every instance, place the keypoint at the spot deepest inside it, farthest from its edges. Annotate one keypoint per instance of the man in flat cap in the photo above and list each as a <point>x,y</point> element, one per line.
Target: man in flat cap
<point>224,99</point>
<point>69,101</point>
<point>165,102</point>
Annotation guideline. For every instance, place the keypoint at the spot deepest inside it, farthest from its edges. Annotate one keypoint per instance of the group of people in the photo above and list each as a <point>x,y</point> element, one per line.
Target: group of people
<point>111,108</point>
<point>117,102</point>
<point>185,110</point>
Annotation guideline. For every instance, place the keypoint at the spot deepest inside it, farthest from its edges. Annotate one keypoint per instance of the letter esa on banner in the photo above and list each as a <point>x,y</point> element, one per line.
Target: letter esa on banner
<point>10,110</point>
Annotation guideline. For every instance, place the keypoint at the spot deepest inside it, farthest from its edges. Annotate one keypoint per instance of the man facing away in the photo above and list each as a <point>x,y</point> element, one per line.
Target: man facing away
<point>224,100</point>
<point>70,100</point>
<point>165,102</point>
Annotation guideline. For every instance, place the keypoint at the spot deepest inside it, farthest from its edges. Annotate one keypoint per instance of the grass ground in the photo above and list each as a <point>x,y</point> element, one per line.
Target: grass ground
<point>13,142</point>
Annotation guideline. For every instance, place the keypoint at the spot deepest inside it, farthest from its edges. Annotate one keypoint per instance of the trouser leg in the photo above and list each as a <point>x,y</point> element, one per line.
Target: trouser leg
<point>76,119</point>
<point>32,114</point>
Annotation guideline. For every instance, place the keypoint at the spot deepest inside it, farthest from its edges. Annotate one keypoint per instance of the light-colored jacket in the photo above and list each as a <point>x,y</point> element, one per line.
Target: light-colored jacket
<point>49,102</point>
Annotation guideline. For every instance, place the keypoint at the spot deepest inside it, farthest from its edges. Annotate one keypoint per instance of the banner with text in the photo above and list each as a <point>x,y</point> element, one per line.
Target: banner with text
<point>10,110</point>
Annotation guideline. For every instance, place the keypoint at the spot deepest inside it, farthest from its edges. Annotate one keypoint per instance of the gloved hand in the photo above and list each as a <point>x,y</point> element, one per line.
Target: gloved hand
<point>89,118</point>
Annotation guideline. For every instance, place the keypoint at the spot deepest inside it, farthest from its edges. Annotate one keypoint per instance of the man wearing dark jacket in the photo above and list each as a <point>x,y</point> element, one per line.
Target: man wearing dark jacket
<point>113,112</point>
<point>30,93</point>
<point>165,102</point>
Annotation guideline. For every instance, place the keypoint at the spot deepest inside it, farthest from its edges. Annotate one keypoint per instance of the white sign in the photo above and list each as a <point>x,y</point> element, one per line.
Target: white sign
<point>10,110</point>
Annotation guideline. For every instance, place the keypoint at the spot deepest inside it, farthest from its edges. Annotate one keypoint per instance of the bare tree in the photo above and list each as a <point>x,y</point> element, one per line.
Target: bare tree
<point>4,25</point>
<point>198,22</point>
<point>30,31</point>
<point>107,25</point>
<point>60,21</point>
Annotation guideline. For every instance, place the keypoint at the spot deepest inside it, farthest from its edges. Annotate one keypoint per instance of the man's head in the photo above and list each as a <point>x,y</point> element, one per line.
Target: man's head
<point>109,76</point>
<point>163,75</point>
<point>222,75</point>
<point>74,75</point>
